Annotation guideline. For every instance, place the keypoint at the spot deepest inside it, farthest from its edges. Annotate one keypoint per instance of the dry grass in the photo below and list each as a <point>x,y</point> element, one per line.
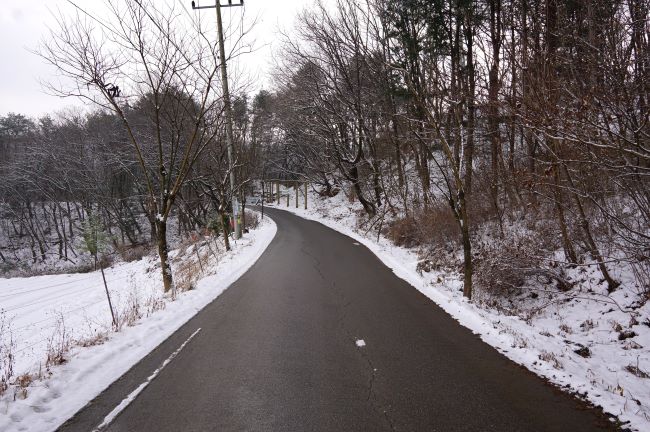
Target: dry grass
<point>7,348</point>
<point>21,384</point>
<point>153,304</point>
<point>549,357</point>
<point>95,339</point>
<point>192,261</point>
<point>587,325</point>
<point>131,312</point>
<point>189,271</point>
<point>58,344</point>
<point>634,370</point>
<point>136,308</point>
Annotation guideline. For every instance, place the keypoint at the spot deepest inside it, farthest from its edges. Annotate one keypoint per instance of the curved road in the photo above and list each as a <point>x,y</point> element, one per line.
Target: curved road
<point>277,352</point>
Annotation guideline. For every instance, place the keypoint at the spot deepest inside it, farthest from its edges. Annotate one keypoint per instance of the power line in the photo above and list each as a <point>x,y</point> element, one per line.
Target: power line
<point>58,294</point>
<point>228,108</point>
<point>46,287</point>
<point>66,313</point>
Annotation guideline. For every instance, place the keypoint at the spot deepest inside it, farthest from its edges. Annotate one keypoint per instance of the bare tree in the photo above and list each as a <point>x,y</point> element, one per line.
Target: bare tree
<point>139,61</point>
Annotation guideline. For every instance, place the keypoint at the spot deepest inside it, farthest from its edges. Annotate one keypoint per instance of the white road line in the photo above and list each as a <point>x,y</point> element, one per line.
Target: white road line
<point>131,397</point>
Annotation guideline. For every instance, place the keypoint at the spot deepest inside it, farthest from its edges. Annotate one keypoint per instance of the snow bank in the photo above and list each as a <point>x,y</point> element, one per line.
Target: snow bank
<point>550,342</point>
<point>34,307</point>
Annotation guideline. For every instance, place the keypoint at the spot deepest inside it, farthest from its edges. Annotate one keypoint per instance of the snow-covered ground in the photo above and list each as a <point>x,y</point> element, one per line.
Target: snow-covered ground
<point>588,342</point>
<point>68,314</point>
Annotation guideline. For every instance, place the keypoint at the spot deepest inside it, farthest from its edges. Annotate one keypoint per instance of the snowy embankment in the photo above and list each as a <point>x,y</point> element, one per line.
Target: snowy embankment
<point>589,342</point>
<point>68,315</point>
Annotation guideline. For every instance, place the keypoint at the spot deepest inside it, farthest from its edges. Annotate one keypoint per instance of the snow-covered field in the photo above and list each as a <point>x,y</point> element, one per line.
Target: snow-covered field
<point>68,314</point>
<point>553,342</point>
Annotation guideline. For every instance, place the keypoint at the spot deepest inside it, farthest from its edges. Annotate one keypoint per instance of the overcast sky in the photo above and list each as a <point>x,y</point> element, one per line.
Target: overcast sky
<point>24,24</point>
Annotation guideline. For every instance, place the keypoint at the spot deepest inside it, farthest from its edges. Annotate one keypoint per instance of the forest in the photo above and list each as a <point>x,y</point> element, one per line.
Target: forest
<point>507,140</point>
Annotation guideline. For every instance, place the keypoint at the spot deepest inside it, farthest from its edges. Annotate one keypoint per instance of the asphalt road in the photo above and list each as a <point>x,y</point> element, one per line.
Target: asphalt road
<point>277,352</point>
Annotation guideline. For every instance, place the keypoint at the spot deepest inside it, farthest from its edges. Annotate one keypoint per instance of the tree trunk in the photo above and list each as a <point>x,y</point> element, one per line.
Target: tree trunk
<point>60,241</point>
<point>468,266</point>
<point>569,251</point>
<point>471,94</point>
<point>493,106</point>
<point>589,239</point>
<point>224,229</point>
<point>367,206</point>
<point>163,253</point>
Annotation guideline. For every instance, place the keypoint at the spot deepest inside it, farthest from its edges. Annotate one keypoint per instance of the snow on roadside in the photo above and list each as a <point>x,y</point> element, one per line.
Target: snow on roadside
<point>547,343</point>
<point>34,312</point>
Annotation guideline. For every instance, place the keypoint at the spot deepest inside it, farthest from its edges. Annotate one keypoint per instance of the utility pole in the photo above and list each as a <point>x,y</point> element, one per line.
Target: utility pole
<point>230,140</point>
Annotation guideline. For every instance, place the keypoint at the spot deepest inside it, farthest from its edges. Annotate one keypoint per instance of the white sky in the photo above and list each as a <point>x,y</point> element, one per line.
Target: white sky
<point>24,24</point>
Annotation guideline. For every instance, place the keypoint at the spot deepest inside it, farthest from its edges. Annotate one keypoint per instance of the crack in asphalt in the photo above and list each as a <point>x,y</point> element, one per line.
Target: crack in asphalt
<point>316,264</point>
<point>371,397</point>
<point>345,303</point>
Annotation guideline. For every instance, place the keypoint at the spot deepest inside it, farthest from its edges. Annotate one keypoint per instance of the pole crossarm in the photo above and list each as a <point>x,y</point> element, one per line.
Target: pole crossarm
<point>230,4</point>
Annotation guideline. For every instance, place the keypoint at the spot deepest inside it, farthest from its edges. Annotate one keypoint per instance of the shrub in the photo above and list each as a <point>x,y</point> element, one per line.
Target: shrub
<point>503,266</point>
<point>252,220</point>
<point>431,228</point>
<point>130,253</point>
<point>105,260</point>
